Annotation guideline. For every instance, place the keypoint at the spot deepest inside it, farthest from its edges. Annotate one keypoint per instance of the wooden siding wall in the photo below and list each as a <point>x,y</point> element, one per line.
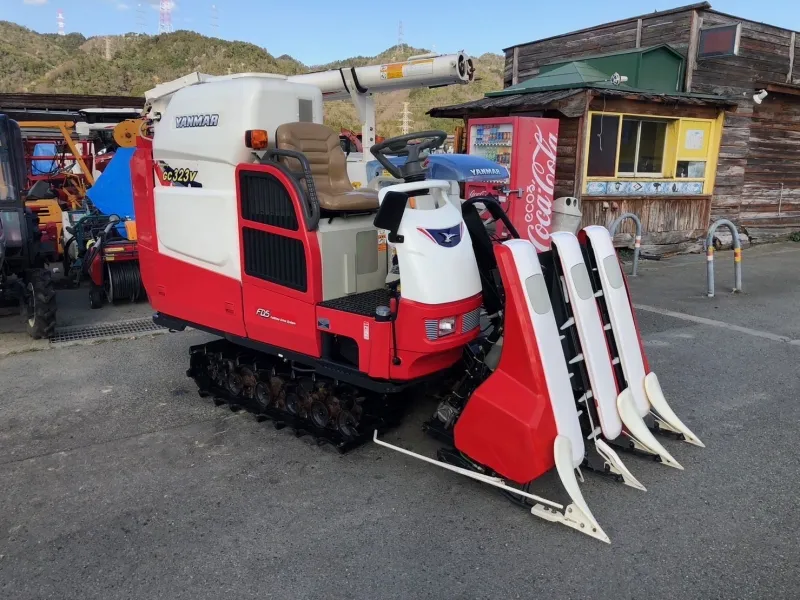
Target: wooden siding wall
<point>760,143</point>
<point>763,58</point>
<point>566,153</point>
<point>770,200</point>
<point>668,224</point>
<point>670,29</point>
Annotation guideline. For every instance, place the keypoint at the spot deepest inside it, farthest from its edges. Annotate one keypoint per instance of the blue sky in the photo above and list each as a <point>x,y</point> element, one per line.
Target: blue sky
<point>320,31</point>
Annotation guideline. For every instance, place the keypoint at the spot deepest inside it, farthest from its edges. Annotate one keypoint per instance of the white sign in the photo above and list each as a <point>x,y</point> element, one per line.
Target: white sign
<point>695,139</point>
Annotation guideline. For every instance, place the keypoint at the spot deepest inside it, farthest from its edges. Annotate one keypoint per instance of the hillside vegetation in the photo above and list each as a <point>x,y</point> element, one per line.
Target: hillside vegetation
<point>133,63</point>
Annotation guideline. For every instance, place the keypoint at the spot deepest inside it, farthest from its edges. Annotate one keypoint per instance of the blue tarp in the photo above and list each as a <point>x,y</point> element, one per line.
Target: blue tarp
<point>44,167</point>
<point>112,193</point>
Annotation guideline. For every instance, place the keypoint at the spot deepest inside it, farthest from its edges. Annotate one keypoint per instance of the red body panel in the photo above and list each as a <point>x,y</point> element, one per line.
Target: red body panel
<point>421,356</point>
<point>508,422</point>
<point>142,182</point>
<point>533,172</point>
<point>280,316</point>
<point>292,317</point>
<point>192,294</point>
<point>174,287</point>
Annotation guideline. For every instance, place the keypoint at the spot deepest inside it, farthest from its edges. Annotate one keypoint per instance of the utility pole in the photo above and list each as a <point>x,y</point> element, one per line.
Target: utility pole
<point>405,119</point>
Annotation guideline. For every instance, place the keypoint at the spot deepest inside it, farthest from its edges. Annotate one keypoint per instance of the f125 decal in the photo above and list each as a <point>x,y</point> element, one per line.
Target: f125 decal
<point>267,314</point>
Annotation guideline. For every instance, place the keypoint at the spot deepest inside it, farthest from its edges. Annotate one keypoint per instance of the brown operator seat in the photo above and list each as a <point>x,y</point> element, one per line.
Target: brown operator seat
<point>328,163</point>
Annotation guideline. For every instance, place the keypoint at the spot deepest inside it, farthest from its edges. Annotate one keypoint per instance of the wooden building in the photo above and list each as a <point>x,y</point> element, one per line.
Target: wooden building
<point>685,140</point>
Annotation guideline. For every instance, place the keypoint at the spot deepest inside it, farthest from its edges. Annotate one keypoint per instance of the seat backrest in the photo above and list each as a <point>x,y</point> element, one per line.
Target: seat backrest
<point>321,146</point>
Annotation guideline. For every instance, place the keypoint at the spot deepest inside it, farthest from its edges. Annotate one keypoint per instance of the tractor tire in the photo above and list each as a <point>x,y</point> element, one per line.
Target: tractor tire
<point>41,303</point>
<point>97,296</point>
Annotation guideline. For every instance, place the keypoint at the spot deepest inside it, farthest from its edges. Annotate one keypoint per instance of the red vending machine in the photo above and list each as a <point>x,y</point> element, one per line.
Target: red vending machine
<point>527,146</point>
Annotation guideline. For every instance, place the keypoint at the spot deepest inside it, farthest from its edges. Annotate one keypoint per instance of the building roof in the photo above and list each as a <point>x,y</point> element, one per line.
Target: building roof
<point>696,6</point>
<point>705,6</point>
<point>551,100</point>
<point>68,102</point>
<point>533,101</point>
<point>575,74</point>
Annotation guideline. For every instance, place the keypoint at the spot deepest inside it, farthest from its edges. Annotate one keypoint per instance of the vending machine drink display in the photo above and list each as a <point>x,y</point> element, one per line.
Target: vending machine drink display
<point>527,147</point>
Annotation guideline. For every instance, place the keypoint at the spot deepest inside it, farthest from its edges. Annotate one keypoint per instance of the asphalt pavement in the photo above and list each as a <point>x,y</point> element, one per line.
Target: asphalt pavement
<point>118,481</point>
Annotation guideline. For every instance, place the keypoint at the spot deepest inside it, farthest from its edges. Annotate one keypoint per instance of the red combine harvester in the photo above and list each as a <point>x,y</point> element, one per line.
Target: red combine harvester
<point>248,228</point>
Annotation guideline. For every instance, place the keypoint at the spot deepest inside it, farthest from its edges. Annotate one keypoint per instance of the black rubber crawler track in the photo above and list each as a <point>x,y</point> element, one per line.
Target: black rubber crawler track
<point>229,374</point>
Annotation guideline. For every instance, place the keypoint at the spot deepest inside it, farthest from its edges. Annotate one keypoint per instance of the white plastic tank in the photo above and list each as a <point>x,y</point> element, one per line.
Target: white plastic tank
<point>567,214</point>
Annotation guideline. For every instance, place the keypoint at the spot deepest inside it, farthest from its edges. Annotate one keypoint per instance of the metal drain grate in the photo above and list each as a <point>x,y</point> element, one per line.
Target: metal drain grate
<point>104,330</point>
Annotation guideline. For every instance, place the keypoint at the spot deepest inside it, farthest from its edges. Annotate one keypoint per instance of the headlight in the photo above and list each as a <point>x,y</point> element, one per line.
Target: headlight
<point>447,326</point>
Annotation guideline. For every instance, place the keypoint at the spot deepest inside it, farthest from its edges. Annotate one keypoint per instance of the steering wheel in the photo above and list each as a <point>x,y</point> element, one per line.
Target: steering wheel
<point>410,145</point>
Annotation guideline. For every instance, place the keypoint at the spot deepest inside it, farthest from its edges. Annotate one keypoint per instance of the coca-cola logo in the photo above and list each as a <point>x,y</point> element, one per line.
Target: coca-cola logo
<point>539,193</point>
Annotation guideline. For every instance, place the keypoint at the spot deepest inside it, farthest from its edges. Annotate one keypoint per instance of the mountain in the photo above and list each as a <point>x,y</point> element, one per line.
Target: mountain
<point>133,63</point>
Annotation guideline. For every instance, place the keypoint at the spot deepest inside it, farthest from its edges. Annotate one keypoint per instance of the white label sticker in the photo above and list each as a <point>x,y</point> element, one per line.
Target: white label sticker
<point>366,330</point>
<point>695,139</point>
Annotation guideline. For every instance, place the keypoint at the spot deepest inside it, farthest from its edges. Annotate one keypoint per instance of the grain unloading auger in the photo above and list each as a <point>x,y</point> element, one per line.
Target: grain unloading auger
<point>249,229</point>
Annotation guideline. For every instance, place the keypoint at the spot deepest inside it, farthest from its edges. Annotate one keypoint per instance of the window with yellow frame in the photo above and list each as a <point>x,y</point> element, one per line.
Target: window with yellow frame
<point>641,155</point>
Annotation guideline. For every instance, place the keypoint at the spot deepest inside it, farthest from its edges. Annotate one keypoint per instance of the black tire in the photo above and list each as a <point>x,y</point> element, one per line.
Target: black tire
<point>66,260</point>
<point>41,302</point>
<point>96,296</point>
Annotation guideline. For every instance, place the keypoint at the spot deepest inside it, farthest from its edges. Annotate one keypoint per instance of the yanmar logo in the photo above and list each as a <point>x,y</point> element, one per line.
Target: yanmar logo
<point>486,171</point>
<point>196,121</point>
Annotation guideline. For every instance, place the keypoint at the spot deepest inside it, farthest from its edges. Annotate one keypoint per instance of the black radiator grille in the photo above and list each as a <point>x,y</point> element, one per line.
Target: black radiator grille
<point>265,200</point>
<point>274,258</point>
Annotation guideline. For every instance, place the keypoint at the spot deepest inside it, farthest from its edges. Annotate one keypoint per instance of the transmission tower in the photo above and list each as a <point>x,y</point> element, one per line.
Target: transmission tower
<point>60,20</point>
<point>140,18</point>
<point>400,42</point>
<point>165,17</point>
<point>214,20</point>
<point>108,48</point>
<point>405,119</point>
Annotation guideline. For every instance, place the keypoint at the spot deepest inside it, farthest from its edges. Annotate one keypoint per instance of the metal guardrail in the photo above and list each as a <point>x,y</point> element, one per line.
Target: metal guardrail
<point>637,240</point>
<point>737,255</point>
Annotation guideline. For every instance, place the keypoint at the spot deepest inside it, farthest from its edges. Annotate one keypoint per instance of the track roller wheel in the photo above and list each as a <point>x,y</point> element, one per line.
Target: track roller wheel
<point>263,395</point>
<point>320,415</point>
<point>293,403</point>
<point>348,424</point>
